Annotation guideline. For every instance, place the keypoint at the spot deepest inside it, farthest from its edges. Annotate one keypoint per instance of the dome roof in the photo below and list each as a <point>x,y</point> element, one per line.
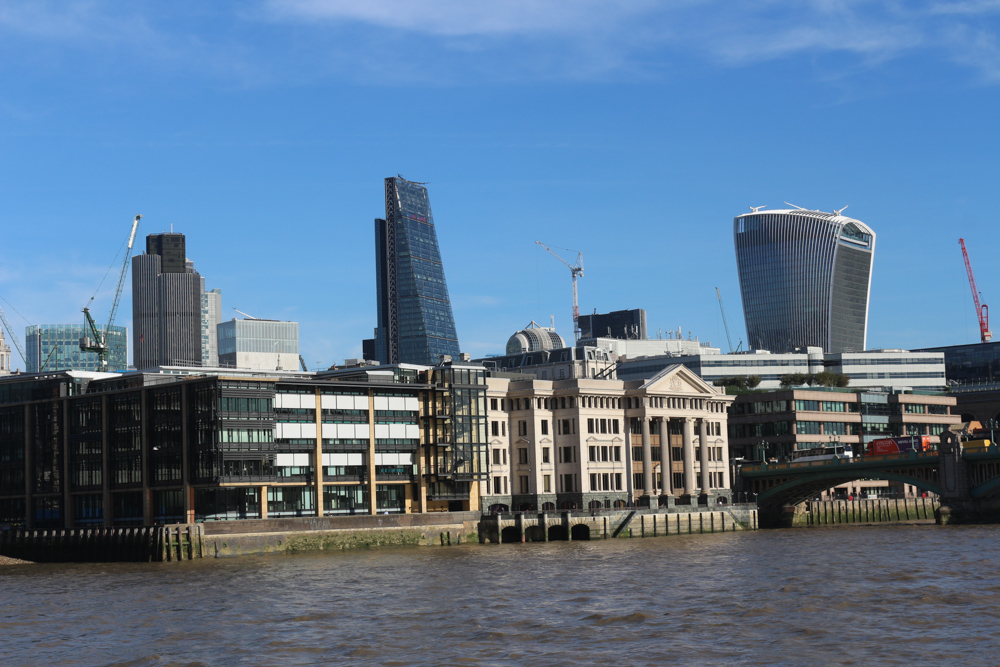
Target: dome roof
<point>534,338</point>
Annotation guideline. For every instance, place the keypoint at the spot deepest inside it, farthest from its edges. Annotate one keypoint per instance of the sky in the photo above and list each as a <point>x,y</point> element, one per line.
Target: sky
<point>631,132</point>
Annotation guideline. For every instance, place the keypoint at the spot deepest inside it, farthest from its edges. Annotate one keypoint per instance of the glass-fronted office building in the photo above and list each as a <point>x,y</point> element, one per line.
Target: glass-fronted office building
<point>805,278</point>
<point>415,321</point>
<point>52,347</point>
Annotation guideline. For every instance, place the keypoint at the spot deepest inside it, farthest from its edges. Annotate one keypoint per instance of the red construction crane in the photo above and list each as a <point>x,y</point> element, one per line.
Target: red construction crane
<point>982,311</point>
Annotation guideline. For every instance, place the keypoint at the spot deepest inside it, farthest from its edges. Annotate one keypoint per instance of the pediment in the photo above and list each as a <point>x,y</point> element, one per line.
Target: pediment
<point>679,379</point>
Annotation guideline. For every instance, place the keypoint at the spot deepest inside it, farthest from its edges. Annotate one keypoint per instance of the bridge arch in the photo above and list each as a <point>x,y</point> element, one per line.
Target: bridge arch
<point>798,490</point>
<point>580,531</point>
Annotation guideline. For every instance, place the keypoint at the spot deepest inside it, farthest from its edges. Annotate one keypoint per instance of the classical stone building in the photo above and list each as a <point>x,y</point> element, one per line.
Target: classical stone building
<point>589,444</point>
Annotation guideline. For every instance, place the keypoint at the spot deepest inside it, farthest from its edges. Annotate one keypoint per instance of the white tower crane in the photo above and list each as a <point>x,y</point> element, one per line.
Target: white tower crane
<point>576,270</point>
<point>100,343</point>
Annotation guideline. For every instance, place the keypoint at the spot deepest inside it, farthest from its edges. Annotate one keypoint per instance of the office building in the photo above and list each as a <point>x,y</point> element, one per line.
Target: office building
<point>84,449</point>
<point>415,321</point>
<point>778,424</point>
<point>805,278</point>
<point>593,444</point>
<point>211,317</point>
<point>972,365</point>
<point>166,305</point>
<point>894,369</point>
<point>259,344</point>
<point>56,347</point>
<point>627,324</point>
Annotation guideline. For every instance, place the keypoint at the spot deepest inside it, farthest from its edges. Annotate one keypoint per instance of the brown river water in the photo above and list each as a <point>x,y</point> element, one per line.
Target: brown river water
<point>849,596</point>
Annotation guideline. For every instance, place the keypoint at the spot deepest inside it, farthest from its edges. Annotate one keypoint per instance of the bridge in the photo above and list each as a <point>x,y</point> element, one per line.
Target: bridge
<point>967,480</point>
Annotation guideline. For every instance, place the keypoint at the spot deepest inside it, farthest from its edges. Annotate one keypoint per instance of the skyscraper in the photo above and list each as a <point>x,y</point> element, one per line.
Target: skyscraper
<point>211,317</point>
<point>166,305</point>
<point>415,322</point>
<point>805,277</point>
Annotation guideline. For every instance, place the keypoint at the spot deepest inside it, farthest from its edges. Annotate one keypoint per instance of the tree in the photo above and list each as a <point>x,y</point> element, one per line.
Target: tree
<point>753,381</point>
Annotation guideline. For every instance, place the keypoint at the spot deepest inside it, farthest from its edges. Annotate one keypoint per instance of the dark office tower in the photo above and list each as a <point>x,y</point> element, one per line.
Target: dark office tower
<point>166,305</point>
<point>627,324</point>
<point>415,322</point>
<point>805,278</point>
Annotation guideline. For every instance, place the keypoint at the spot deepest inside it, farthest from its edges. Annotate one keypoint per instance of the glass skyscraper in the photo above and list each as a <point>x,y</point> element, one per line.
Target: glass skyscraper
<point>415,322</point>
<point>805,278</point>
<point>56,347</point>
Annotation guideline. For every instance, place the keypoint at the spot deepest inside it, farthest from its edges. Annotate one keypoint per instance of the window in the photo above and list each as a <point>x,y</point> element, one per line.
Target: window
<point>547,483</point>
<point>614,426</point>
<point>618,453</point>
<point>522,428</point>
<point>678,480</point>
<point>493,404</point>
<point>618,481</point>
<point>677,453</point>
<point>604,452</point>
<point>593,453</point>
<point>637,453</point>
<point>496,485</point>
<point>565,426</point>
<point>524,483</point>
<point>593,482</point>
<point>496,457</point>
<point>637,480</point>
<point>522,455</point>
<point>503,428</point>
<point>590,426</point>
<point>545,427</point>
<point>495,428</point>
<point>568,456</point>
<point>545,455</point>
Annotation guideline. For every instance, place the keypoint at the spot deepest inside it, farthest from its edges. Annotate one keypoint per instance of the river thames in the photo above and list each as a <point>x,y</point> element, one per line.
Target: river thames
<point>850,596</point>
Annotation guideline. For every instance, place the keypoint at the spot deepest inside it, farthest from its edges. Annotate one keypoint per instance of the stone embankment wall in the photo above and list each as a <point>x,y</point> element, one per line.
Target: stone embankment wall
<point>225,539</point>
<point>572,526</point>
<point>876,510</point>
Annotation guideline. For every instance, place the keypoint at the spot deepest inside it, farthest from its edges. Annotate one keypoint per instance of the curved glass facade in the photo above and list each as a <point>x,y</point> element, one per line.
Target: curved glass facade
<point>804,278</point>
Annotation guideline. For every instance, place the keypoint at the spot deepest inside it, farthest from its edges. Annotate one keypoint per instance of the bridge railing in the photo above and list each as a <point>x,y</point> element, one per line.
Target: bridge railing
<point>798,465</point>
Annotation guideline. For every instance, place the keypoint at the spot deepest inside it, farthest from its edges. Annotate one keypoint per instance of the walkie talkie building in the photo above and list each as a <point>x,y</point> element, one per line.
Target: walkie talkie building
<point>415,321</point>
<point>805,277</point>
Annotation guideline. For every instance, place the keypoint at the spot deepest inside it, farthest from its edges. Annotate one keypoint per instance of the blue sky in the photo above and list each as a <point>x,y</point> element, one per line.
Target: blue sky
<point>633,132</point>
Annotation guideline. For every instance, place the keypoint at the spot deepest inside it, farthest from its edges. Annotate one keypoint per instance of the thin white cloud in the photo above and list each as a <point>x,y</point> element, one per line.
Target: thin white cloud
<point>456,41</point>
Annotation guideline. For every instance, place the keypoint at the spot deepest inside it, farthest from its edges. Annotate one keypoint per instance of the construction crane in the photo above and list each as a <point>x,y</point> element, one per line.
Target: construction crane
<point>982,311</point>
<point>13,336</point>
<point>99,342</point>
<point>724,322</point>
<point>247,315</point>
<point>576,270</point>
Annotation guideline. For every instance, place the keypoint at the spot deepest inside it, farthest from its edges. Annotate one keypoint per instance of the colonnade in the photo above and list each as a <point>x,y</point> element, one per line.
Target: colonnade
<point>666,461</point>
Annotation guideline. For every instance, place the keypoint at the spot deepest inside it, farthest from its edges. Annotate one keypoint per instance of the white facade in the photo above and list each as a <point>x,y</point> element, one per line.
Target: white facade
<point>259,344</point>
<point>585,444</point>
<point>895,369</point>
<point>4,355</point>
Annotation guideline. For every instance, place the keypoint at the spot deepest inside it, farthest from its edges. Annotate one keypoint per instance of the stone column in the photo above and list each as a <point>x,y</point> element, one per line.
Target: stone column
<point>647,459</point>
<point>689,482</point>
<point>665,471</point>
<point>703,441</point>
<point>726,481</point>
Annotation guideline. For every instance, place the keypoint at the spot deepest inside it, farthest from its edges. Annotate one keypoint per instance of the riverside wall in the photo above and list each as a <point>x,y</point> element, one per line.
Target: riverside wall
<point>861,512</point>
